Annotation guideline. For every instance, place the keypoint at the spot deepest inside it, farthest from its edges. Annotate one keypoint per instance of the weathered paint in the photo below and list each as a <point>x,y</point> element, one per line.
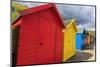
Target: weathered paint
<point>69,40</point>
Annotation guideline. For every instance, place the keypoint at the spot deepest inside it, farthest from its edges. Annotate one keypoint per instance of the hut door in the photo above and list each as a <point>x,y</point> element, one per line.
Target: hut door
<point>46,41</point>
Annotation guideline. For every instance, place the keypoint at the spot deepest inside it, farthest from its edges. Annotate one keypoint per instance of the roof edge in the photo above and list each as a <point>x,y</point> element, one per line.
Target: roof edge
<point>72,21</point>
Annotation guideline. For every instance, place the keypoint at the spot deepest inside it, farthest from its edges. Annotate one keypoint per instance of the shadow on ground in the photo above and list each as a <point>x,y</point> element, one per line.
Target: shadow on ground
<point>80,56</point>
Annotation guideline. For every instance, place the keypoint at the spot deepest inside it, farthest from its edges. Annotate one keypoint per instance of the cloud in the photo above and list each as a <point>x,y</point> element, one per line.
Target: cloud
<point>85,15</point>
<point>87,25</point>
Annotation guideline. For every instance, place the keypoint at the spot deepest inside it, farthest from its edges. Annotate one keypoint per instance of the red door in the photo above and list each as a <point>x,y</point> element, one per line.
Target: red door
<point>46,43</point>
<point>51,16</point>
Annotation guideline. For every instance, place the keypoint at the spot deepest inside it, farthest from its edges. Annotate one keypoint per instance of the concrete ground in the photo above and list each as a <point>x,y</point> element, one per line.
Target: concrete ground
<point>87,54</point>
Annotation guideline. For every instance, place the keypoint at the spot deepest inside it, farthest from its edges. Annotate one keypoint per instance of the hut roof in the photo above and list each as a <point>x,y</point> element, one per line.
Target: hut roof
<point>69,22</point>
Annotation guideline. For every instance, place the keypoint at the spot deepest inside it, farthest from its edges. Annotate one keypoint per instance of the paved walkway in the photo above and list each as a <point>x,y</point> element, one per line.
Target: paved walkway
<point>87,54</point>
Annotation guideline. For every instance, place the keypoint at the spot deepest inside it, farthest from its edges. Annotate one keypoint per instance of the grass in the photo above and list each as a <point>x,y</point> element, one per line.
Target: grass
<point>16,8</point>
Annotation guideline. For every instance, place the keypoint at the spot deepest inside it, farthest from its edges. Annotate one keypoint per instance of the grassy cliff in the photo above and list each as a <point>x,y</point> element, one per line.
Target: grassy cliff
<point>16,7</point>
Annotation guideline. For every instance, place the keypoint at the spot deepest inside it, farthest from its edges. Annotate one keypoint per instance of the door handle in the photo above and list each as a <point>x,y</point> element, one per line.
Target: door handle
<point>40,43</point>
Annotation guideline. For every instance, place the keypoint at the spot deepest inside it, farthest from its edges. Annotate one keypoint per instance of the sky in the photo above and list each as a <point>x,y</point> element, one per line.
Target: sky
<point>84,15</point>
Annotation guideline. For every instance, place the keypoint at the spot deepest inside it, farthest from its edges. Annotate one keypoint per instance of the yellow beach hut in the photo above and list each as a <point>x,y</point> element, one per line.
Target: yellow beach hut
<point>69,39</point>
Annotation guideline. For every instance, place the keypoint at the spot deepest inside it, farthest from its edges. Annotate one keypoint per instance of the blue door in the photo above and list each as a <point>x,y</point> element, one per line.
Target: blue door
<point>79,41</point>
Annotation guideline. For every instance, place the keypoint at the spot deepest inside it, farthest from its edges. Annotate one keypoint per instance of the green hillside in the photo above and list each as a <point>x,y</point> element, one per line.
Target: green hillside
<point>18,7</point>
<point>15,10</point>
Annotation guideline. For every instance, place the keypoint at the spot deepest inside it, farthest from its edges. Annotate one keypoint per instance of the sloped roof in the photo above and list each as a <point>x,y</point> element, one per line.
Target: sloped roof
<point>40,8</point>
<point>69,22</point>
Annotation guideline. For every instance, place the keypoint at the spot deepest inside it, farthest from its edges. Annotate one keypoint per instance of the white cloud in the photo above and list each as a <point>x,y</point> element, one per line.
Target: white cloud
<point>87,25</point>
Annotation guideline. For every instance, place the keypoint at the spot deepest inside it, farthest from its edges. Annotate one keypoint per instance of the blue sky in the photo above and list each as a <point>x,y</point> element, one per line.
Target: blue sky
<point>84,15</point>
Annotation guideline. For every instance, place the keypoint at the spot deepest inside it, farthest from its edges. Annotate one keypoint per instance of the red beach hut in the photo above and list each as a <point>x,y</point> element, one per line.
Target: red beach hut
<point>40,38</point>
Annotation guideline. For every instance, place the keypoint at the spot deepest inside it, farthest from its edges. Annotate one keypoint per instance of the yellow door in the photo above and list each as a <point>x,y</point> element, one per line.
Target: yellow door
<point>69,43</point>
<point>66,46</point>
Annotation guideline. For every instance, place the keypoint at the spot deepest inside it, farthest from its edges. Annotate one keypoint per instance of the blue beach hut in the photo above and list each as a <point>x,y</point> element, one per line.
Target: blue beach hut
<point>80,36</point>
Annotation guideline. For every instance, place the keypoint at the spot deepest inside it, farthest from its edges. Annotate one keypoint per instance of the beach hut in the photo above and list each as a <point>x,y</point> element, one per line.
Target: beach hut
<point>87,39</point>
<point>69,39</point>
<point>80,39</point>
<point>40,36</point>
